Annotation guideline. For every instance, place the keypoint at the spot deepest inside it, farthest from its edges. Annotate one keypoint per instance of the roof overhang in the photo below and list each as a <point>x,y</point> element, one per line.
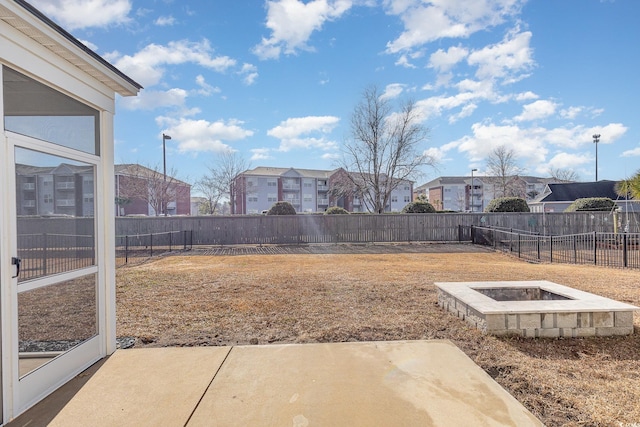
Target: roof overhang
<point>31,22</point>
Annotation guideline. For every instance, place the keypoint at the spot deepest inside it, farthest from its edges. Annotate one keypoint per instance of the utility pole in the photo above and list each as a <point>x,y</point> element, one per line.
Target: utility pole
<point>596,139</point>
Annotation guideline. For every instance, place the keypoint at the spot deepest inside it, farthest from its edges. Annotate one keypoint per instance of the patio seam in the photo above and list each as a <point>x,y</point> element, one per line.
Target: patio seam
<point>208,386</point>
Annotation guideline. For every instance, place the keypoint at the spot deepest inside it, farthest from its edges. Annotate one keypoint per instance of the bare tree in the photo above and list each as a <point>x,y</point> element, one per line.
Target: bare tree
<point>563,175</point>
<point>212,191</point>
<point>503,171</point>
<point>383,150</point>
<point>150,185</point>
<point>223,174</point>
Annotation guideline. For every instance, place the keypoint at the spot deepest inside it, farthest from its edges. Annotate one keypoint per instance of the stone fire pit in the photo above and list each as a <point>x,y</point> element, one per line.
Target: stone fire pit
<point>535,309</point>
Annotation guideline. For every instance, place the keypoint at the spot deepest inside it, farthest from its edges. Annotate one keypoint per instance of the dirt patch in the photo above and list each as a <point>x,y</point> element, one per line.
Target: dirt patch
<point>327,297</point>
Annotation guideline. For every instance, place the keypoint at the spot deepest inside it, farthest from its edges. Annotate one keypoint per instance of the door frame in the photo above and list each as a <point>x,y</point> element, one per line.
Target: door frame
<point>22,393</point>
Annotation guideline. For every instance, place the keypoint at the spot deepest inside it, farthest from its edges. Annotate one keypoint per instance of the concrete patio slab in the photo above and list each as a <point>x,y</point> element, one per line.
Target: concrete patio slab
<point>399,383</point>
<point>144,387</point>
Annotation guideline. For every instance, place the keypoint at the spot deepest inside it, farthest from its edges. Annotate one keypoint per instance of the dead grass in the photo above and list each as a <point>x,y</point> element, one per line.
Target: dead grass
<point>227,300</point>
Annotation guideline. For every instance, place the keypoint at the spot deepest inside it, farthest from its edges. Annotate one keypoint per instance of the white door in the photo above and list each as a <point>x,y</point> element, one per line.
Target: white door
<point>53,320</point>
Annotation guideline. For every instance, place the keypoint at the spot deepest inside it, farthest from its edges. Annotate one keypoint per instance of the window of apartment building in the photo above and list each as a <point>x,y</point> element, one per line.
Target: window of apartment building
<point>251,182</point>
<point>308,198</point>
<point>48,198</point>
<point>394,199</point>
<point>447,190</point>
<point>252,199</point>
<point>272,198</point>
<point>407,188</point>
<point>272,183</point>
<point>407,199</point>
<point>308,184</point>
<point>88,198</point>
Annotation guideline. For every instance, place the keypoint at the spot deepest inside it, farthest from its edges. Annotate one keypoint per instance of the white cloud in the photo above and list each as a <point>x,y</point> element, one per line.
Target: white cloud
<point>165,21</point>
<point>151,99</point>
<point>205,88</point>
<point>403,61</point>
<point>260,154</point>
<point>293,21</point>
<point>249,73</point>
<point>536,110</point>
<point>296,132</point>
<point>527,144</point>
<point>571,112</point>
<point>193,136</point>
<point>631,153</point>
<point>75,14</point>
<point>566,161</point>
<point>466,111</point>
<point>392,90</point>
<point>526,96</point>
<point>146,66</point>
<point>330,156</point>
<point>445,60</point>
<point>426,21</point>
<point>509,60</point>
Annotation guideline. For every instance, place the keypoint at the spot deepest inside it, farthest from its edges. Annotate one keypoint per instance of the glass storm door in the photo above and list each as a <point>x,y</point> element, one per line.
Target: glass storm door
<point>55,326</point>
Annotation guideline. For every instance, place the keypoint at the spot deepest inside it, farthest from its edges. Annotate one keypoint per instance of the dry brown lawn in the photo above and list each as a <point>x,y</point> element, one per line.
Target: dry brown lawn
<point>293,298</point>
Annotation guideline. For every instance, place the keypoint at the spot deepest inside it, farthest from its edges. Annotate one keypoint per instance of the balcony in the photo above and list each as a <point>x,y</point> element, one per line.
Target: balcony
<point>294,202</point>
<point>28,203</point>
<point>65,203</point>
<point>323,188</point>
<point>65,185</point>
<point>29,186</point>
<point>323,202</point>
<point>290,187</point>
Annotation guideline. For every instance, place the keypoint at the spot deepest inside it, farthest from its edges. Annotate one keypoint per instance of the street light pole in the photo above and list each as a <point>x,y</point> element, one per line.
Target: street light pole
<point>472,171</point>
<point>164,173</point>
<point>596,139</point>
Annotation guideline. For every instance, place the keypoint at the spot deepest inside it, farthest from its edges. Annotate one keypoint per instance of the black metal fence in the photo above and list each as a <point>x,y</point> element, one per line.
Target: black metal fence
<point>618,250</point>
<point>139,247</point>
<point>42,254</point>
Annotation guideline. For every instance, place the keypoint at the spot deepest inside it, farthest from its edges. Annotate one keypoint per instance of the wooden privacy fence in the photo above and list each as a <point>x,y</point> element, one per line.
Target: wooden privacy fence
<point>621,250</point>
<point>303,229</point>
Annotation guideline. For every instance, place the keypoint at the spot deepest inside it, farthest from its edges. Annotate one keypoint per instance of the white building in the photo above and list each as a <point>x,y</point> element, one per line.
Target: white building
<point>454,193</point>
<point>58,102</point>
<point>308,190</point>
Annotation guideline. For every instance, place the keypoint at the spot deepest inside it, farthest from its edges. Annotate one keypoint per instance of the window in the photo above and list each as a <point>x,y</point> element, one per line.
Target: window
<point>251,182</point>
<point>407,199</point>
<point>48,198</point>
<point>394,199</point>
<point>272,183</point>
<point>447,190</point>
<point>36,110</point>
<point>308,184</point>
<point>272,198</point>
<point>308,198</point>
<point>252,199</point>
<point>407,188</point>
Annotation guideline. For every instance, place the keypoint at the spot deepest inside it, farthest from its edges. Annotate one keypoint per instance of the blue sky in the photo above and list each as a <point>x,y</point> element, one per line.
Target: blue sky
<point>277,80</point>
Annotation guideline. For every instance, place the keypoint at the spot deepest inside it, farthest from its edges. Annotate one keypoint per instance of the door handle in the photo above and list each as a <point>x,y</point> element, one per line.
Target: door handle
<point>16,261</point>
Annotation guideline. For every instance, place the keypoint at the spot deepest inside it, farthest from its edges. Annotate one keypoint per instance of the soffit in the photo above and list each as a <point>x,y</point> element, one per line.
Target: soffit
<point>70,49</point>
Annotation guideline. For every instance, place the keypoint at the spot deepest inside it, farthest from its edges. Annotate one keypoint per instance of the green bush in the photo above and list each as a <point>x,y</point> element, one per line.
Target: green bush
<point>336,210</point>
<point>282,208</point>
<point>418,207</point>
<point>591,204</point>
<point>507,204</point>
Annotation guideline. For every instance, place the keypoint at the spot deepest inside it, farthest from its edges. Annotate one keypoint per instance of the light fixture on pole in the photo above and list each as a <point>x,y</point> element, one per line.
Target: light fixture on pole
<point>472,171</point>
<point>164,172</point>
<point>596,139</point>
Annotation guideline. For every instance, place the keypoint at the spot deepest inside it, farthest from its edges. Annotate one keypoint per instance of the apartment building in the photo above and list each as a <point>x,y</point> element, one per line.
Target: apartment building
<point>308,190</point>
<point>143,191</point>
<point>458,193</point>
<point>64,189</point>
